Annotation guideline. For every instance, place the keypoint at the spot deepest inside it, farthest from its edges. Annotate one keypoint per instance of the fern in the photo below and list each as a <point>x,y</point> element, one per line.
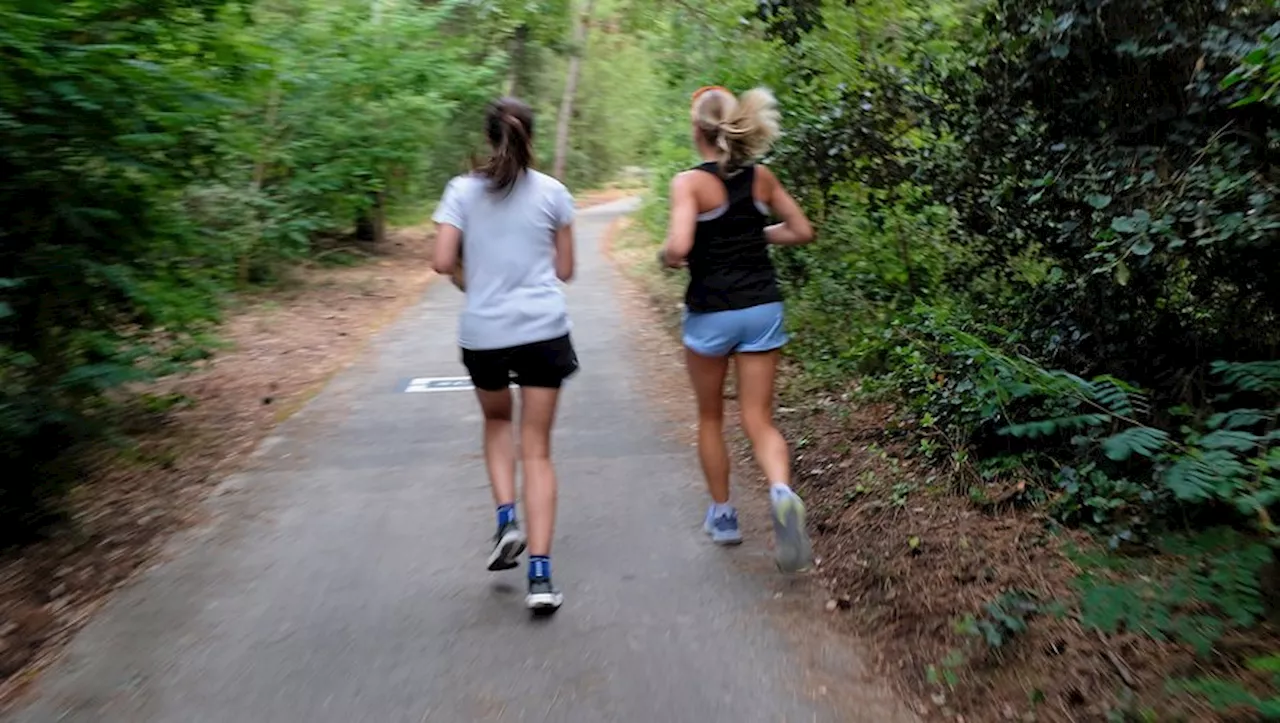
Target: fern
<point>1230,439</point>
<point>1144,441</point>
<point>1049,427</point>
<point>1266,664</point>
<point>1239,418</point>
<point>1225,695</point>
<point>1216,586</point>
<point>1250,376</point>
<point>1120,399</point>
<point>1231,459</point>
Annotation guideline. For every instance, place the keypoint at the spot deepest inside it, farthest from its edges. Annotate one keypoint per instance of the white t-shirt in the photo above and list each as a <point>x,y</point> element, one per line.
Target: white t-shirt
<point>508,243</point>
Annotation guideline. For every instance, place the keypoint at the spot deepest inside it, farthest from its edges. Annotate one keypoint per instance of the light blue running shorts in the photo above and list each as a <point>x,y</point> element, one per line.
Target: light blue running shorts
<point>722,333</point>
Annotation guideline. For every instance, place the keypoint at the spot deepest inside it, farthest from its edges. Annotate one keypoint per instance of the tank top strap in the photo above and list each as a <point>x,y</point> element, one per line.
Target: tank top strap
<point>739,187</point>
<point>708,167</point>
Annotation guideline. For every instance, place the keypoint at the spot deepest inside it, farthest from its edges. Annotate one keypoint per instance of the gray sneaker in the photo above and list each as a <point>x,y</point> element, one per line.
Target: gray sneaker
<point>544,598</point>
<point>794,551</point>
<point>507,546</point>
<point>723,529</point>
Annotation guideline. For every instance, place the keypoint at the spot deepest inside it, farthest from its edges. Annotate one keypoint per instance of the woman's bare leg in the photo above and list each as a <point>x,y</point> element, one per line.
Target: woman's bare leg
<point>756,374</point>
<point>500,459</point>
<point>537,417</point>
<point>707,375</point>
<point>499,444</point>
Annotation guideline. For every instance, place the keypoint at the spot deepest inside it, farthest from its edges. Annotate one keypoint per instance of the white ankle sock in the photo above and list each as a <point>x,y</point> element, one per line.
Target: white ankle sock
<point>720,510</point>
<point>778,490</point>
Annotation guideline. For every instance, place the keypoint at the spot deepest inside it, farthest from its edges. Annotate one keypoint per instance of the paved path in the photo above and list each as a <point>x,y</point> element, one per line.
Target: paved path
<point>342,578</point>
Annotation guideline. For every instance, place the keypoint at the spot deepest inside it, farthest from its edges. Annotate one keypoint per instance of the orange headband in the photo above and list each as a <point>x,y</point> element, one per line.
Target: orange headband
<point>706,89</point>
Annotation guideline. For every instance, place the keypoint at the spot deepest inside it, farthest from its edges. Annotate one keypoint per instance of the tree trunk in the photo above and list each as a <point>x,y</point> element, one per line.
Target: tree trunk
<point>563,122</point>
<point>516,60</point>
<point>371,224</point>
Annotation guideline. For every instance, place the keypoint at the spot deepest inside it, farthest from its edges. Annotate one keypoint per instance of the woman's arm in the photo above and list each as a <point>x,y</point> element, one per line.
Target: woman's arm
<point>446,257</point>
<point>564,253</point>
<point>565,213</point>
<point>450,215</point>
<point>795,229</point>
<point>681,225</point>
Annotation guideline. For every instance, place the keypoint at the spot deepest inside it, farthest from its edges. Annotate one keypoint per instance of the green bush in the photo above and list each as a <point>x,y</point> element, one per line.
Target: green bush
<point>101,276</point>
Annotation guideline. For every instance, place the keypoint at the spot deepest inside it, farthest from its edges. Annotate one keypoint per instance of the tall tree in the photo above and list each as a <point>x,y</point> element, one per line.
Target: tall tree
<point>581,26</point>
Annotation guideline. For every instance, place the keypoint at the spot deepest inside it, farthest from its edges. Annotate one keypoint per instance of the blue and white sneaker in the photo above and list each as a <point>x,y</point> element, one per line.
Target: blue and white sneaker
<point>544,598</point>
<point>794,550</point>
<point>507,546</point>
<point>723,528</point>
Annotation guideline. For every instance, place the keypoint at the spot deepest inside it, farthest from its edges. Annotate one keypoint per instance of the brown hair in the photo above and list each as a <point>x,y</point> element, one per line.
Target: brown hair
<point>508,125</point>
<point>741,129</point>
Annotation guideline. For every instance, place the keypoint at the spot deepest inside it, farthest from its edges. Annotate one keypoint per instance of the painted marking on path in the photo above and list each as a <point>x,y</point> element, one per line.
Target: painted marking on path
<point>423,385</point>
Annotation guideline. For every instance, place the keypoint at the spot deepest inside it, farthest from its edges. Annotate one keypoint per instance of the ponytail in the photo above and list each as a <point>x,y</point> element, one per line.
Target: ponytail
<point>508,125</point>
<point>740,129</point>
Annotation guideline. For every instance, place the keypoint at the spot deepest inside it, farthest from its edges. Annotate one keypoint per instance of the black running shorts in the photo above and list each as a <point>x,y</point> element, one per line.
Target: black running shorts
<point>542,364</point>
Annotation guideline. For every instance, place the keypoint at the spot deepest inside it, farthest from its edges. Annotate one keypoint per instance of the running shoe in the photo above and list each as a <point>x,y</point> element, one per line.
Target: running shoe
<point>544,598</point>
<point>508,544</point>
<point>723,528</point>
<point>794,551</point>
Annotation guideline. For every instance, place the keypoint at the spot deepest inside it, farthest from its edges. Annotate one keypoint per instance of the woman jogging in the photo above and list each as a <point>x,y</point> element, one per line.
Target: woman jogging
<point>733,306</point>
<point>515,225</point>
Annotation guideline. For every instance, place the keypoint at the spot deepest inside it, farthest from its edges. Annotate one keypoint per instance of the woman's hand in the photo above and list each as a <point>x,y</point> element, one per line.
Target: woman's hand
<point>783,234</point>
<point>666,264</point>
<point>447,257</point>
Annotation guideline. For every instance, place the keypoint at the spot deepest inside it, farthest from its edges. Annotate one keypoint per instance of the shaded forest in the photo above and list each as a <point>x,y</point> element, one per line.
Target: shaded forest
<point>1044,258</point>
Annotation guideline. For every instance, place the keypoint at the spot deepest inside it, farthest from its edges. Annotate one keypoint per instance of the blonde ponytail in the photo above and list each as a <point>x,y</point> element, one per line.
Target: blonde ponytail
<point>741,129</point>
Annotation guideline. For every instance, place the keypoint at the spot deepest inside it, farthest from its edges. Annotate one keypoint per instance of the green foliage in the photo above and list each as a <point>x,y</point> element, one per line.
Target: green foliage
<point>1230,457</point>
<point>1209,583</point>
<point>613,122</point>
<point>1003,618</point>
<point>156,156</point>
<point>1226,695</point>
<point>102,278</point>
<point>1116,507</point>
<point>357,110</point>
<point>944,673</point>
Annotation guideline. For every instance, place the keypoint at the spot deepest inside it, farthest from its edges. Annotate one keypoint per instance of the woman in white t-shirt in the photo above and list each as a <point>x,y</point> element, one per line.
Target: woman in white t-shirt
<point>516,227</point>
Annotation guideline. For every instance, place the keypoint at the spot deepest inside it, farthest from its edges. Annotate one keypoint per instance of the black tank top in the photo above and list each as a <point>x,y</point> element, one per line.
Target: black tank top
<point>729,267</point>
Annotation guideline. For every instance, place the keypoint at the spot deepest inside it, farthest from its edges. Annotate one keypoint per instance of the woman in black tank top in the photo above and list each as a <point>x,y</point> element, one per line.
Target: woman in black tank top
<point>729,264</point>
<point>720,231</point>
